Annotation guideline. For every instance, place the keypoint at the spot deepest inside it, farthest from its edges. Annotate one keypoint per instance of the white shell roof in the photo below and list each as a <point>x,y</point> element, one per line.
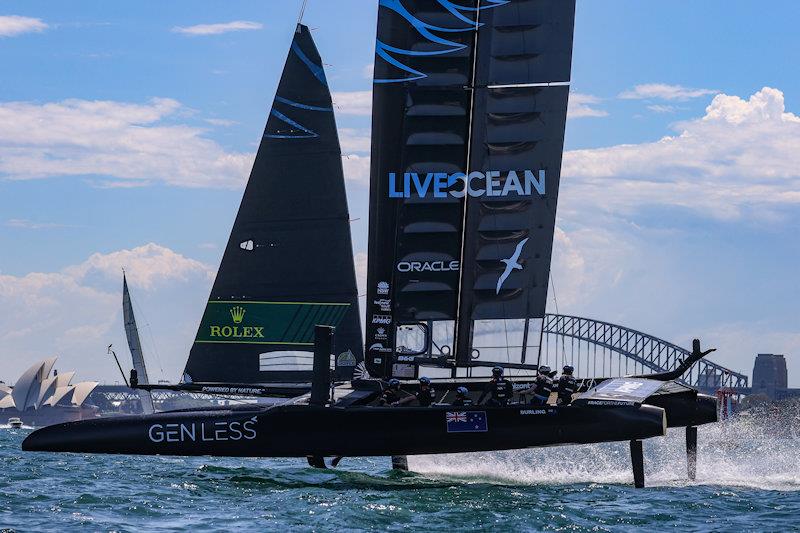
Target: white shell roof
<point>29,385</point>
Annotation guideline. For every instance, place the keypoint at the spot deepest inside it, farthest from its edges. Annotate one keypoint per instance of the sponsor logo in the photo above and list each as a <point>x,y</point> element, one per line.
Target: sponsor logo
<point>458,185</point>
<point>611,403</point>
<point>203,431</point>
<point>537,411</point>
<point>512,263</point>
<point>235,332</point>
<point>429,266</point>
<point>247,246</point>
<point>406,358</point>
<point>383,288</point>
<point>237,314</point>
<point>380,334</point>
<point>379,347</point>
<point>385,304</point>
<point>381,319</point>
<point>346,359</point>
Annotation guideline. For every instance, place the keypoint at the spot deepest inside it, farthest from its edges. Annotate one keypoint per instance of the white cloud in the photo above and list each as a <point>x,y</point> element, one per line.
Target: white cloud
<point>12,25</point>
<point>216,29</point>
<point>357,103</point>
<point>662,91</point>
<point>581,106</point>
<point>355,140</point>
<point>75,313</point>
<point>356,168</point>
<point>221,122</point>
<point>113,140</point>
<point>368,71</point>
<point>146,266</point>
<point>741,154</point>
<point>22,223</point>
<point>662,109</point>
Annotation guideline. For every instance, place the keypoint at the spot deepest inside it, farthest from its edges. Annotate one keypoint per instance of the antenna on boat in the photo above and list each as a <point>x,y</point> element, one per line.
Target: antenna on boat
<point>302,12</point>
<point>113,353</point>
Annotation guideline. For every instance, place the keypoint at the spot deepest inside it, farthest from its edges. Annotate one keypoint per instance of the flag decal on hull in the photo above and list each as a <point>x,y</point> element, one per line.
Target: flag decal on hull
<point>467,422</point>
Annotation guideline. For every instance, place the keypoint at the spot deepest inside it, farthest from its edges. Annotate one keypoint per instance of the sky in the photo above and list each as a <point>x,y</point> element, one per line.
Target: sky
<point>127,131</point>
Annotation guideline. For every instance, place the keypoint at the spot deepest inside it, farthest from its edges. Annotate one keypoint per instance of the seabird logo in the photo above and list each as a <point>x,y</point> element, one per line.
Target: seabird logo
<point>237,314</point>
<point>474,184</point>
<point>383,288</point>
<point>512,263</point>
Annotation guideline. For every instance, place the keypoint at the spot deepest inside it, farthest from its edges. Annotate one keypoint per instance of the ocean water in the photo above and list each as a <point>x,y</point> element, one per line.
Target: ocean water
<point>748,480</point>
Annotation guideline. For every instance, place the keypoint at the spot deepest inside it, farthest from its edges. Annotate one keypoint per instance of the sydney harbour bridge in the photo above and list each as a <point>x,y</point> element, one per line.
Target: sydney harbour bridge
<point>595,348</point>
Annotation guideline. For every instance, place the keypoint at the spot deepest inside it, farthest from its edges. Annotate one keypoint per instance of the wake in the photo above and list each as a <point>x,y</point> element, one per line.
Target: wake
<point>742,452</point>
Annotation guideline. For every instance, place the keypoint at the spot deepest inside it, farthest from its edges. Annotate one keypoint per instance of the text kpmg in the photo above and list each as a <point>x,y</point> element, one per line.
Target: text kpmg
<point>475,184</point>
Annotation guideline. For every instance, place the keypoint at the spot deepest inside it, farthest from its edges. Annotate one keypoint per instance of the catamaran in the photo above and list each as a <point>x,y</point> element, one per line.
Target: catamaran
<point>469,113</point>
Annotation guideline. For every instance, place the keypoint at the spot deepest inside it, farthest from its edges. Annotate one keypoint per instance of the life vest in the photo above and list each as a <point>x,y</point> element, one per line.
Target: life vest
<point>426,397</point>
<point>567,385</point>
<point>544,385</point>
<point>502,390</point>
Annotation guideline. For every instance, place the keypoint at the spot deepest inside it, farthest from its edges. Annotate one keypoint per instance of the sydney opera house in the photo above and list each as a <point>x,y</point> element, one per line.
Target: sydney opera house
<point>41,397</point>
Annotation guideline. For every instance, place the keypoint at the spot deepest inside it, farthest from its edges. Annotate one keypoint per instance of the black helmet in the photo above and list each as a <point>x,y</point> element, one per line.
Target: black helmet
<point>497,371</point>
<point>568,370</point>
<point>462,391</point>
<point>544,369</point>
<point>394,382</point>
<point>425,381</point>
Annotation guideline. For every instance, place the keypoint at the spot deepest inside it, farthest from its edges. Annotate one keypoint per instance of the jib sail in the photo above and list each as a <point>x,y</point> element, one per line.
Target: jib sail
<point>469,111</point>
<point>135,345</point>
<point>288,265</point>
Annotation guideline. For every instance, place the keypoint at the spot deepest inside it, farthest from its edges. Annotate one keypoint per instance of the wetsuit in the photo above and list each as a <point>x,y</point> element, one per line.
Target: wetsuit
<point>500,392</point>
<point>567,386</point>
<point>542,389</point>
<point>426,397</point>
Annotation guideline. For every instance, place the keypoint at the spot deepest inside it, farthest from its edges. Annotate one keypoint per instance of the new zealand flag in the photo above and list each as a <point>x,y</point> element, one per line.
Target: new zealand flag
<point>467,422</point>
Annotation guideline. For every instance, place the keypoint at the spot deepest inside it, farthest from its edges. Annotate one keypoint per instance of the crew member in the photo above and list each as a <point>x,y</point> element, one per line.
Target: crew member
<point>462,398</point>
<point>426,395</point>
<point>542,388</point>
<point>499,389</point>
<point>567,386</point>
<point>393,395</point>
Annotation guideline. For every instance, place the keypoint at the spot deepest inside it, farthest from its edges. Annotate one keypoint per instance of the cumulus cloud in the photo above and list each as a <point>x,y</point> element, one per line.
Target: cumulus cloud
<point>742,153</point>
<point>12,25</point>
<point>662,91</point>
<point>357,103</point>
<point>76,312</point>
<point>113,140</point>
<point>216,29</point>
<point>355,140</point>
<point>582,105</point>
<point>146,266</point>
<point>356,168</point>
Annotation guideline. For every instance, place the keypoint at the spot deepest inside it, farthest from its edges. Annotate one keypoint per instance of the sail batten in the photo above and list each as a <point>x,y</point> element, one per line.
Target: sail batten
<point>288,265</point>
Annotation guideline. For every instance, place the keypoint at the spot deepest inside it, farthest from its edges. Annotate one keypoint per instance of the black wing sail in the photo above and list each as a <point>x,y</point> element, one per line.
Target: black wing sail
<point>469,109</point>
<point>288,265</point>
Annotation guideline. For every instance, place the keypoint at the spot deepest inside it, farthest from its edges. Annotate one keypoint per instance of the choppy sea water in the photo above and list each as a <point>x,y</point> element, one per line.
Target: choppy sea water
<point>748,480</point>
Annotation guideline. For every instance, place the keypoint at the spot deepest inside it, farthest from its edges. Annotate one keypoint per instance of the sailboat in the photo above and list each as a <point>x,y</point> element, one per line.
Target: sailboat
<point>469,113</point>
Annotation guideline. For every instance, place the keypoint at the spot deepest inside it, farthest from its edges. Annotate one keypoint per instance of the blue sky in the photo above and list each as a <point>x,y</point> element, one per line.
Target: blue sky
<point>127,131</point>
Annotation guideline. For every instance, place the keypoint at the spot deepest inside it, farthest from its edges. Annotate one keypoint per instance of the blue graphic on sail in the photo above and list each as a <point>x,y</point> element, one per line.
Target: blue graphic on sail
<point>296,129</point>
<point>385,50</point>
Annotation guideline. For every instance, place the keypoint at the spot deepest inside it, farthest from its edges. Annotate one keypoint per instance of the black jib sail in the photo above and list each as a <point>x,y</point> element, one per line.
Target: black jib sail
<point>288,265</point>
<point>469,111</point>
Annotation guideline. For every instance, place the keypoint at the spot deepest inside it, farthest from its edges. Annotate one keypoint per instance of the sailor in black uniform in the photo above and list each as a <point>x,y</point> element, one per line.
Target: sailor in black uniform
<point>567,386</point>
<point>543,386</point>
<point>393,395</point>
<point>426,395</point>
<point>499,389</point>
<point>462,398</point>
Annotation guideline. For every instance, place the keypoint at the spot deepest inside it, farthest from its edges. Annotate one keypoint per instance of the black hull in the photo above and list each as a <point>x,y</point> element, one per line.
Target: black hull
<point>299,431</point>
